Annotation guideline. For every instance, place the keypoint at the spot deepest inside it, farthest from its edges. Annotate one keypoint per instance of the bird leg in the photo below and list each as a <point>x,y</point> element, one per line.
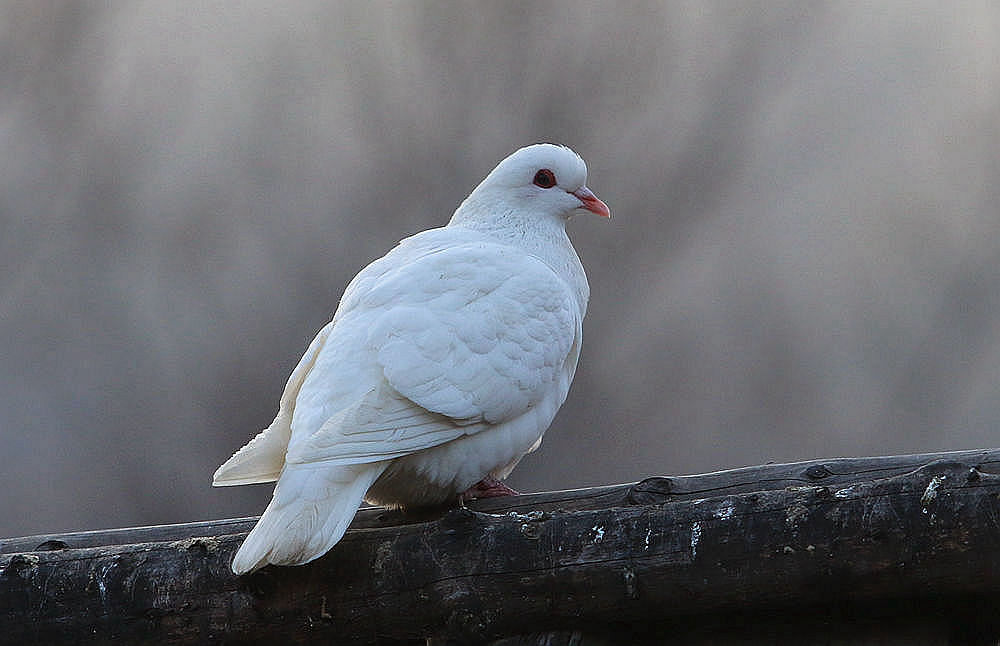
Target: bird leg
<point>488,487</point>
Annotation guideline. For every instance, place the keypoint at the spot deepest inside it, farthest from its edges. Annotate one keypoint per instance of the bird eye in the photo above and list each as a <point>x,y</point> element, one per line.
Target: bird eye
<point>545,178</point>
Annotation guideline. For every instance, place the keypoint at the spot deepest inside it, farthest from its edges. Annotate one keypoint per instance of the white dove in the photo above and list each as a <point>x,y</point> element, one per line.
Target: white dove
<point>444,364</point>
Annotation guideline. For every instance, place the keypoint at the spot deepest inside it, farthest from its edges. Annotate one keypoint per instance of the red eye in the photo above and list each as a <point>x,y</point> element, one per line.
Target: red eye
<point>545,178</point>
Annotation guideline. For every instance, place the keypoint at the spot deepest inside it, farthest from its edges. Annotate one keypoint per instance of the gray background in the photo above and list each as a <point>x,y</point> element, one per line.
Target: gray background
<point>803,260</point>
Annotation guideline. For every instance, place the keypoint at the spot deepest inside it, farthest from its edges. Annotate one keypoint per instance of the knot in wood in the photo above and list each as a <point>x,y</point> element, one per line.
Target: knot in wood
<point>51,545</point>
<point>817,472</point>
<point>651,491</point>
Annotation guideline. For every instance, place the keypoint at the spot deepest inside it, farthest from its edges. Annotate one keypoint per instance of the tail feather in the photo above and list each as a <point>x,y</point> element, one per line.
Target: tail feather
<point>261,460</point>
<point>309,512</point>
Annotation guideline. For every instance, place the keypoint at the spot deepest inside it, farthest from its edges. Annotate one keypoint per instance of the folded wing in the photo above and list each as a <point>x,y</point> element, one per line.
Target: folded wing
<point>466,337</point>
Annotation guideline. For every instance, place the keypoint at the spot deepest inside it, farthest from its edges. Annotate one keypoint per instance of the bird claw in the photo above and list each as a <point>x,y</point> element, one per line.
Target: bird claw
<point>488,487</point>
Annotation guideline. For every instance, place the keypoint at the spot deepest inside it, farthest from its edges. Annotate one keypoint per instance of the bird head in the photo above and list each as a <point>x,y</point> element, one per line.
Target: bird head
<point>542,179</point>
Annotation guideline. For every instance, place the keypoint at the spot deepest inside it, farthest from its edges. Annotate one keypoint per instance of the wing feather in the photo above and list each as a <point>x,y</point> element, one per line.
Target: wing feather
<point>474,332</point>
<point>263,457</point>
<point>382,425</point>
<point>466,336</point>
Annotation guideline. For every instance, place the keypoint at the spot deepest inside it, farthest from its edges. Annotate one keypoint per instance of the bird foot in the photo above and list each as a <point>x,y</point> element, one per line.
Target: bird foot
<point>488,487</point>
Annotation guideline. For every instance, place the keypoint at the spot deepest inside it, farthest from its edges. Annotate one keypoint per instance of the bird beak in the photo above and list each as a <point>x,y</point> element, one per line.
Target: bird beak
<point>591,202</point>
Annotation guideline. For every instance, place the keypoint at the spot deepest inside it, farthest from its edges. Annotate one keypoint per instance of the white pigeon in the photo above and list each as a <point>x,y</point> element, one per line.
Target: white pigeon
<point>443,366</point>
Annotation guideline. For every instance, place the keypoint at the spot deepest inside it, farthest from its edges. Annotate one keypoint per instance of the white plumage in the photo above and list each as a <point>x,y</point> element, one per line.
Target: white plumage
<point>444,364</point>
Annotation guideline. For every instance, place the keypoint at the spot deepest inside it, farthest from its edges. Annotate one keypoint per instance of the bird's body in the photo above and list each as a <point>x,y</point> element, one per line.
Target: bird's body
<point>444,364</point>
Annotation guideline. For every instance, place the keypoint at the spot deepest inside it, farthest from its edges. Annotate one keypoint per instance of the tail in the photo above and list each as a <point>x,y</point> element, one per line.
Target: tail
<point>309,512</point>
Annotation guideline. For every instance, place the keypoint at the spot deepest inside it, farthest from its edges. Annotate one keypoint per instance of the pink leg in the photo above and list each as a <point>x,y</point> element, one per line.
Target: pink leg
<point>488,487</point>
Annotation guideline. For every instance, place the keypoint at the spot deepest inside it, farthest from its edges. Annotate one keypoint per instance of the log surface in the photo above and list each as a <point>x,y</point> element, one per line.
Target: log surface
<point>905,542</point>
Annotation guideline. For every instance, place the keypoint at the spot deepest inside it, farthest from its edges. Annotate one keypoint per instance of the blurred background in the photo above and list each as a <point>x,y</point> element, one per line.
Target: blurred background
<point>804,258</point>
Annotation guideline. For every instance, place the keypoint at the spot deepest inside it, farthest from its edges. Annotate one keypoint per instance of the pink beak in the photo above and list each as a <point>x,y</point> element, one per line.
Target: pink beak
<point>591,202</point>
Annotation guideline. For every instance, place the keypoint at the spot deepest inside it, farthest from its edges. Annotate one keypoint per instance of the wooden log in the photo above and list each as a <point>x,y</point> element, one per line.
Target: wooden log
<point>899,539</point>
<point>827,472</point>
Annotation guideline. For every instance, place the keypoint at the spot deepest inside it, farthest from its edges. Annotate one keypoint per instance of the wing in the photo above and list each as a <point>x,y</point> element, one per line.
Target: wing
<point>476,332</point>
<point>466,337</point>
<point>263,457</point>
<point>382,425</point>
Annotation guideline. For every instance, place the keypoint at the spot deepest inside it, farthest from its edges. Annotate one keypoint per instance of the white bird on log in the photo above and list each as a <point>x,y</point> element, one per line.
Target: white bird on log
<point>444,364</point>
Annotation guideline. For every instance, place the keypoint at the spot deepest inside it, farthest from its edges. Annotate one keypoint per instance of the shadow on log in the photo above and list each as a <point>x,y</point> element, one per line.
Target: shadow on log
<point>900,549</point>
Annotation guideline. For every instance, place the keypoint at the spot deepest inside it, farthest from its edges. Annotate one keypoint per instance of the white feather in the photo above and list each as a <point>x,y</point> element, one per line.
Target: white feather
<point>445,362</point>
<point>309,512</point>
<point>262,459</point>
